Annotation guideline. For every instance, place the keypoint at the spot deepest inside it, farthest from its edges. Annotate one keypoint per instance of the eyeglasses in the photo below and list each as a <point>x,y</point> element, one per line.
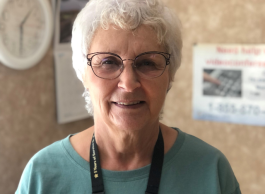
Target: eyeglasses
<point>149,65</point>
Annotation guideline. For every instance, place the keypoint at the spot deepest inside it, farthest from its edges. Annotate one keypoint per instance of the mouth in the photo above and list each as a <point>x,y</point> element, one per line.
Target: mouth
<point>132,104</point>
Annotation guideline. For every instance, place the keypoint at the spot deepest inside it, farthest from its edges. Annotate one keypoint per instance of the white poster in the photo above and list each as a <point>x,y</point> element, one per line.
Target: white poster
<point>229,83</point>
<point>69,89</point>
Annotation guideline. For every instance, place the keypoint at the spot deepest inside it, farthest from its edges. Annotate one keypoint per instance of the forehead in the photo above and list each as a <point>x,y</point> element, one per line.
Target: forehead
<point>120,41</point>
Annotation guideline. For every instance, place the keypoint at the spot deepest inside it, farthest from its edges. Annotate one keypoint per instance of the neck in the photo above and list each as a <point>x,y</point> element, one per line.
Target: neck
<point>125,150</point>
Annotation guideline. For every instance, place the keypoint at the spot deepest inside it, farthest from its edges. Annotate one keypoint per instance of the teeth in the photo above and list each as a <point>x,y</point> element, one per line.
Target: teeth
<point>128,103</point>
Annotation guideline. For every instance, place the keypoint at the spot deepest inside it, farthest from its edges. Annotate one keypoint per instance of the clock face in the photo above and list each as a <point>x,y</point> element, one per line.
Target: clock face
<point>25,32</point>
<point>22,25</point>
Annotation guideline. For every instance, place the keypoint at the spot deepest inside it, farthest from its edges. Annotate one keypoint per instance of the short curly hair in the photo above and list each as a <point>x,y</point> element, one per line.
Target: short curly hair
<point>125,14</point>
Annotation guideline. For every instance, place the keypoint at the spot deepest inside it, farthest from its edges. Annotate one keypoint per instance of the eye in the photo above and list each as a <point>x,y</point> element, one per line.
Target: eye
<point>146,65</point>
<point>108,62</point>
<point>111,63</point>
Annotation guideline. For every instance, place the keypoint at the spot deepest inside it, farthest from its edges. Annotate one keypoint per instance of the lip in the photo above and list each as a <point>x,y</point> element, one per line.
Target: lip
<point>129,105</point>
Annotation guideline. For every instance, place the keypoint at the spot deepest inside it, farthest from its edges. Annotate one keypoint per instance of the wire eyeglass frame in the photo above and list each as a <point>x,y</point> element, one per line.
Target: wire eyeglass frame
<point>164,54</point>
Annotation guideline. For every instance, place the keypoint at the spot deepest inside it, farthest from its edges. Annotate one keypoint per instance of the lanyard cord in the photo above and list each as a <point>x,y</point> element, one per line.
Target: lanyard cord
<point>154,175</point>
<point>95,168</point>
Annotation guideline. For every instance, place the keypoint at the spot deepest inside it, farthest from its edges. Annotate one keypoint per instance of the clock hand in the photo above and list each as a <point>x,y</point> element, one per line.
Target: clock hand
<point>21,32</point>
<point>25,19</point>
<point>20,40</point>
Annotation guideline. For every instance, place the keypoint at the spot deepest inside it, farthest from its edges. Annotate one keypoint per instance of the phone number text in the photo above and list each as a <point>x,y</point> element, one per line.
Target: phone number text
<point>230,108</point>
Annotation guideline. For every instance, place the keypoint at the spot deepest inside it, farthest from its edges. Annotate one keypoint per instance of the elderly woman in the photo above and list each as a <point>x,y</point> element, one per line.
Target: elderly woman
<point>126,53</point>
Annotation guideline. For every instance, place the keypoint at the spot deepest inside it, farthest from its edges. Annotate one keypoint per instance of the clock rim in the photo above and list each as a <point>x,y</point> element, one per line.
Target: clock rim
<point>24,63</point>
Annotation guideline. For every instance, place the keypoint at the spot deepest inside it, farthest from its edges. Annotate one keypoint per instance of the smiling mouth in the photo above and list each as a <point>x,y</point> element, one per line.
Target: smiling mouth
<point>129,103</point>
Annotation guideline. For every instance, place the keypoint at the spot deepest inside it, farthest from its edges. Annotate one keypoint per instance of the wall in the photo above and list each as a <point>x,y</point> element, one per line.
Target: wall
<point>27,98</point>
<point>28,118</point>
<point>211,21</point>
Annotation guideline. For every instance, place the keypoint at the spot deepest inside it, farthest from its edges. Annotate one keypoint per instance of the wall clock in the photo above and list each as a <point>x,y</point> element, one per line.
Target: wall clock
<point>25,32</point>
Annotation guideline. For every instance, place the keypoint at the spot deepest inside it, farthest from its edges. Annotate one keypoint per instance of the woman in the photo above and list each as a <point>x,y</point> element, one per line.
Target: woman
<point>126,53</point>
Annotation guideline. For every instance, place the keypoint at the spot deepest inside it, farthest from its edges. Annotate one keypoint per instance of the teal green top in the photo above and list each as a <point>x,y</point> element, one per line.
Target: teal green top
<point>191,166</point>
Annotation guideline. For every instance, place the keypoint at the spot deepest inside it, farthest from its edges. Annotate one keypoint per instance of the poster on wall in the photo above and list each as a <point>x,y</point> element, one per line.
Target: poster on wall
<point>69,101</point>
<point>229,83</point>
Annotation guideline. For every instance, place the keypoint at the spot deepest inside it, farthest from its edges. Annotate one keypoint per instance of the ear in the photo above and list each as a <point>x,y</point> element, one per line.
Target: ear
<point>85,80</point>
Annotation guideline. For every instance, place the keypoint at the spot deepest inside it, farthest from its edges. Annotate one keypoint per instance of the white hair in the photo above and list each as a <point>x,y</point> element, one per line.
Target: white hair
<point>125,14</point>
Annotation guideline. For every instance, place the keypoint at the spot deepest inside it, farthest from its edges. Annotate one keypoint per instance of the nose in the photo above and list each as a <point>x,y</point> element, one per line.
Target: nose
<point>129,80</point>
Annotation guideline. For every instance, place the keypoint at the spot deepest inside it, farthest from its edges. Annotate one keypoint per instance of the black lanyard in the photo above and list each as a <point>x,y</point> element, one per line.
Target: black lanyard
<point>154,175</point>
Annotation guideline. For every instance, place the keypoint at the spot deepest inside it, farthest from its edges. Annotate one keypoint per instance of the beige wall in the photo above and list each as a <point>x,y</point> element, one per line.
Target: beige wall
<point>27,98</point>
<point>215,21</point>
<point>28,118</point>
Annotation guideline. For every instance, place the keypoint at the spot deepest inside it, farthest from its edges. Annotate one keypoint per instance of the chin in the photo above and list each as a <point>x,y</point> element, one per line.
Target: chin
<point>132,124</point>
<point>129,125</point>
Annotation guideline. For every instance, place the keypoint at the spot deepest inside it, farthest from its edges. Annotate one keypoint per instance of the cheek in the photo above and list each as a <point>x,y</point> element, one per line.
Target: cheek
<point>100,92</point>
<point>162,89</point>
<point>157,94</point>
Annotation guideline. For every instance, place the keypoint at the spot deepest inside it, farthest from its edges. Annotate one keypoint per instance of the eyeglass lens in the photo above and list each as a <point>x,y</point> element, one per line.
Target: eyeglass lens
<point>109,66</point>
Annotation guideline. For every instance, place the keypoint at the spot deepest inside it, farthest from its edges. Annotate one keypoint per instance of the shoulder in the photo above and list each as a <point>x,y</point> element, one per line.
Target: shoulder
<point>198,147</point>
<point>206,163</point>
<point>47,157</point>
<point>42,167</point>
<point>207,155</point>
<point>51,153</point>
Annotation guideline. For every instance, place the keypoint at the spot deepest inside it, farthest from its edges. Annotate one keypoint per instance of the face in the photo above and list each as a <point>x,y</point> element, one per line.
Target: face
<point>128,102</point>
